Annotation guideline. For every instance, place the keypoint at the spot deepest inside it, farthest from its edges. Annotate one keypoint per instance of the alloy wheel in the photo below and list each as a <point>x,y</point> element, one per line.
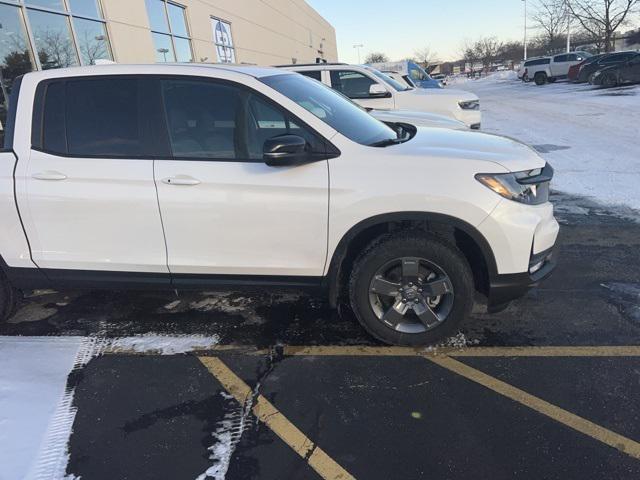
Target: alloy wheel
<point>411,295</point>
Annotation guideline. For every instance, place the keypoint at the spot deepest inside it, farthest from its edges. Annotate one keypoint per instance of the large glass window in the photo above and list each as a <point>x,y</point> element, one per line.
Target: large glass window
<point>332,108</point>
<point>223,40</point>
<point>15,52</point>
<point>53,40</point>
<point>103,117</point>
<point>169,31</point>
<point>51,4</point>
<point>92,41</point>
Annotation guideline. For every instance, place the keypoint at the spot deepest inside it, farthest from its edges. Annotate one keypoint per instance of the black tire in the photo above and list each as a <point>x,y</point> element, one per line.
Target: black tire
<point>610,80</point>
<point>540,78</point>
<point>438,253</point>
<point>9,298</point>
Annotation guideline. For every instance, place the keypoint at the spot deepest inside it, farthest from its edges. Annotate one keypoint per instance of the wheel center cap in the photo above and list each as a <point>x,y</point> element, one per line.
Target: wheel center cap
<point>410,293</point>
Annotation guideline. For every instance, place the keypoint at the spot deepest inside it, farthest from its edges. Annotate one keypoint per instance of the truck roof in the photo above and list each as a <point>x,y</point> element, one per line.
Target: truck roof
<point>158,68</point>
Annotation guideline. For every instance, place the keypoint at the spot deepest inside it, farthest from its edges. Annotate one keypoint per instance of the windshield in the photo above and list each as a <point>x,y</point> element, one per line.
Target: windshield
<point>332,108</point>
<point>390,81</point>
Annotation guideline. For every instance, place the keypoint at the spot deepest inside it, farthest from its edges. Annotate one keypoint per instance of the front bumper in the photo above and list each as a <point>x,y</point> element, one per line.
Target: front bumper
<point>469,117</point>
<point>507,287</point>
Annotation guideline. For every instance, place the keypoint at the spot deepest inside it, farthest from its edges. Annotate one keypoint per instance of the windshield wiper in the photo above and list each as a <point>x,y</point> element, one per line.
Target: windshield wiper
<point>387,142</point>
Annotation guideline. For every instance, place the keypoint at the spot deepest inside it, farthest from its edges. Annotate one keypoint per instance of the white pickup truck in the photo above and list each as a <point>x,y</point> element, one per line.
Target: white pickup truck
<point>549,69</point>
<point>175,176</point>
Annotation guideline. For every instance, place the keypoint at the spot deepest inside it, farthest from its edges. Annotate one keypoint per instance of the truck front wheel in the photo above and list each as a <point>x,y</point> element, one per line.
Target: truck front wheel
<point>411,289</point>
<point>540,78</point>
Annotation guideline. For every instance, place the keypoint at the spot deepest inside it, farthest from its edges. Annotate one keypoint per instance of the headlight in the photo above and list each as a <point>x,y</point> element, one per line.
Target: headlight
<point>530,187</point>
<point>470,105</point>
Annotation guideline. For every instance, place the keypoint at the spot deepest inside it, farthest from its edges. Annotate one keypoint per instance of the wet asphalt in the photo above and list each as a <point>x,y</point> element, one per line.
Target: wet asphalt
<point>379,417</point>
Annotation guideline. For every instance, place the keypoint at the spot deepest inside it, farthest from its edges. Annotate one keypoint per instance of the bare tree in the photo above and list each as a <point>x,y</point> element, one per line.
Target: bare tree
<point>469,55</point>
<point>376,57</point>
<point>550,16</point>
<point>92,47</point>
<point>487,50</point>
<point>602,18</point>
<point>424,56</point>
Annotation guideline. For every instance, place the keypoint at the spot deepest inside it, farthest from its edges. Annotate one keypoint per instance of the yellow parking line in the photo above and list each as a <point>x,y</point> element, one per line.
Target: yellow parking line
<point>586,351</point>
<point>566,351</point>
<point>324,465</point>
<point>624,444</point>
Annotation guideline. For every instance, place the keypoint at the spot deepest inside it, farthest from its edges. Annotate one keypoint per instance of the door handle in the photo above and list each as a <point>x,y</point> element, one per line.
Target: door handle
<point>49,175</point>
<point>181,180</point>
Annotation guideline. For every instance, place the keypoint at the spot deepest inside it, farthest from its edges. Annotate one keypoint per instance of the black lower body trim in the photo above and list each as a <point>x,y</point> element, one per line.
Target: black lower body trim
<point>34,278</point>
<point>504,288</point>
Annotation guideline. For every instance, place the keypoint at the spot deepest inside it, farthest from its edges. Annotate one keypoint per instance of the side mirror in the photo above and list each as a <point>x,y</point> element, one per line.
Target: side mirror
<point>285,150</point>
<point>377,90</point>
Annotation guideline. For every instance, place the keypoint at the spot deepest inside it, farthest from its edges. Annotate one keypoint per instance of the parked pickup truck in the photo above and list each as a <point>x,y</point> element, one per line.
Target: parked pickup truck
<point>192,176</point>
<point>550,69</point>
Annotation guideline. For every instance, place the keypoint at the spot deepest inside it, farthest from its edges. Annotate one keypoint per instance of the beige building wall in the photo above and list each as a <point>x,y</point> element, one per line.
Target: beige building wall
<point>265,32</point>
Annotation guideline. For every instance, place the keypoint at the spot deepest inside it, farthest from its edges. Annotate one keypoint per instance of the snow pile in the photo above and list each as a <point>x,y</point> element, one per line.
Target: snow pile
<point>495,77</point>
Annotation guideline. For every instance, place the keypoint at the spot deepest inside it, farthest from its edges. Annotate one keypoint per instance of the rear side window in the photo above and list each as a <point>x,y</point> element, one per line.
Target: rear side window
<point>540,61</point>
<point>103,117</point>
<point>315,74</point>
<point>561,58</point>
<point>53,121</point>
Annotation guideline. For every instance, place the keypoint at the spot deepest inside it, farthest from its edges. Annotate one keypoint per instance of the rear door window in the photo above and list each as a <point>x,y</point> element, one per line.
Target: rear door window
<point>103,117</point>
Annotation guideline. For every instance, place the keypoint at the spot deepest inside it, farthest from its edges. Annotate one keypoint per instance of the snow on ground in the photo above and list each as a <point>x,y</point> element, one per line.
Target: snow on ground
<point>35,408</point>
<point>591,136</point>
<point>161,344</point>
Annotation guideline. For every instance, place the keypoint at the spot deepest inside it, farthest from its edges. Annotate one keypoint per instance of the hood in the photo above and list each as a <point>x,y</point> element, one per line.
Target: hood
<point>471,145</point>
<point>418,119</point>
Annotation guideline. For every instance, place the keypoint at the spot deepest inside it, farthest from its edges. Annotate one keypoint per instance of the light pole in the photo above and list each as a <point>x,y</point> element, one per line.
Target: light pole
<point>568,14</point>
<point>164,52</point>
<point>358,47</point>
<point>525,29</point>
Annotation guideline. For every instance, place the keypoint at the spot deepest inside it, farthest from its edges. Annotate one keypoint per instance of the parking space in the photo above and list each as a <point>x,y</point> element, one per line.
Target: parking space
<point>343,412</point>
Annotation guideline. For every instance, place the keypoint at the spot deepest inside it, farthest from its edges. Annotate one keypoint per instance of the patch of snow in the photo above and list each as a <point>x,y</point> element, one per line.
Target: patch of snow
<point>227,435</point>
<point>35,407</point>
<point>162,344</point>
<point>458,341</point>
<point>172,305</point>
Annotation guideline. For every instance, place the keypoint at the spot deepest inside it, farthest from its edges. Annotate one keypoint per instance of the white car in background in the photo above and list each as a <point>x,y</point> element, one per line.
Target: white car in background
<point>373,89</point>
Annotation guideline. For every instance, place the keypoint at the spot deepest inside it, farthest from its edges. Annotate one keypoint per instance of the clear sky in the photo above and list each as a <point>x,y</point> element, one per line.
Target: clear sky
<point>398,28</point>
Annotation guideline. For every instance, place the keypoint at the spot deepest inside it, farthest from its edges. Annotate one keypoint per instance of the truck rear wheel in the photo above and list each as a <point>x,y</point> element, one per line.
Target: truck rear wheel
<point>540,78</point>
<point>411,289</point>
<point>9,298</point>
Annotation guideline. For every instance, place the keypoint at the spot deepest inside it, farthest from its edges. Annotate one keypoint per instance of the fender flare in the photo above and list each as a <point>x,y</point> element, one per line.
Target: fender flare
<point>332,278</point>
